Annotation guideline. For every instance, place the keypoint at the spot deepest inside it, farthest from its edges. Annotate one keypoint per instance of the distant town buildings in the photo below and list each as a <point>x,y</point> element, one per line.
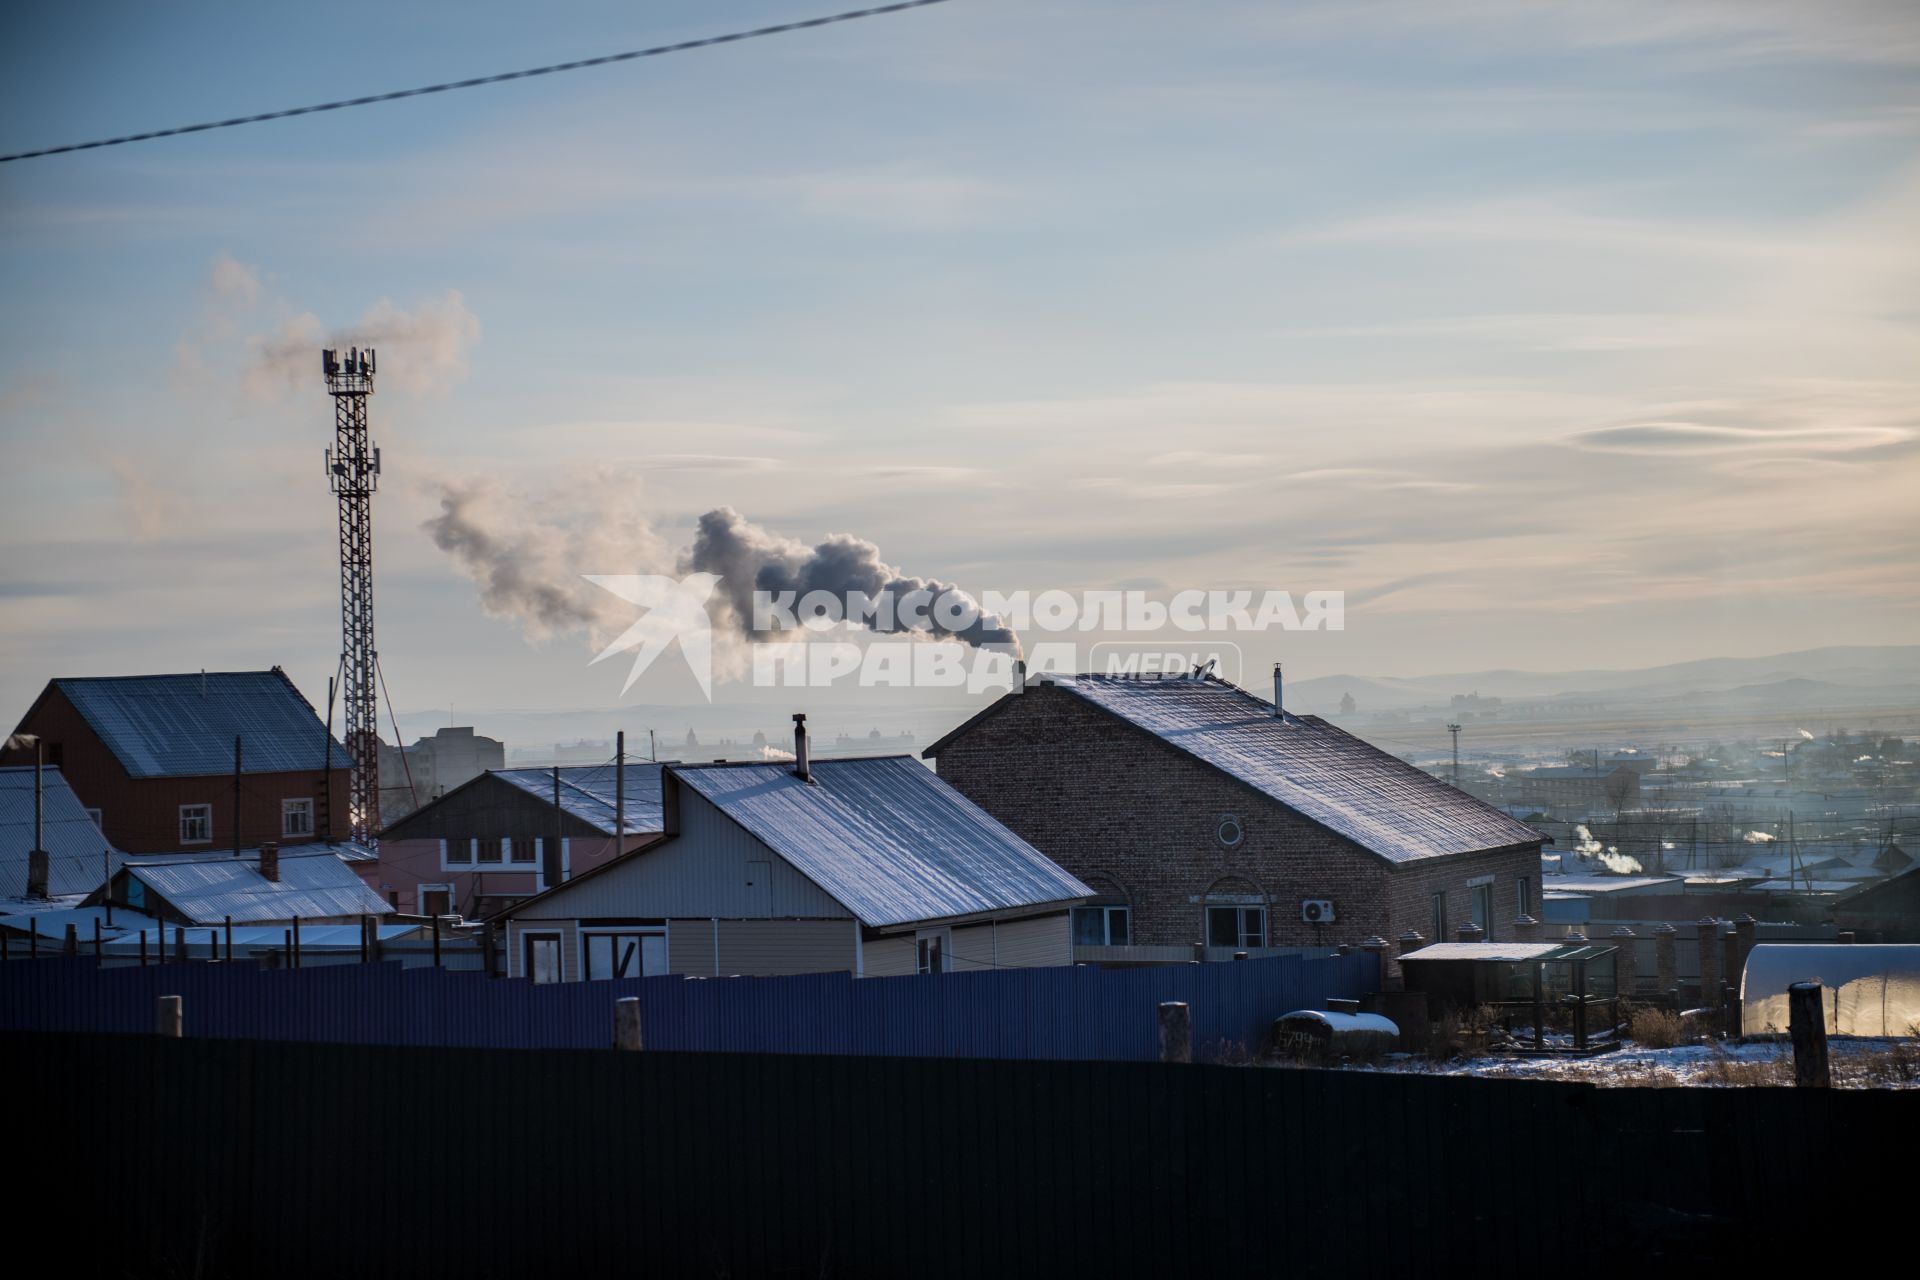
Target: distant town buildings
<point>431,767</point>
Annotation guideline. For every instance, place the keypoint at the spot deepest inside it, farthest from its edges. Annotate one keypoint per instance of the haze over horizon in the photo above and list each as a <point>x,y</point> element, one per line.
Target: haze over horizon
<point>1555,343</point>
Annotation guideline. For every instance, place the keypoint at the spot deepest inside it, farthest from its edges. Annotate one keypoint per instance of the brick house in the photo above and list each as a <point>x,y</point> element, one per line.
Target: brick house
<point>1198,813</point>
<point>152,758</point>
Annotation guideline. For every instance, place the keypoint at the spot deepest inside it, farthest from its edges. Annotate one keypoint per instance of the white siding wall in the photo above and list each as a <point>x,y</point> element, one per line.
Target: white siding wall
<point>889,957</point>
<point>1036,941</point>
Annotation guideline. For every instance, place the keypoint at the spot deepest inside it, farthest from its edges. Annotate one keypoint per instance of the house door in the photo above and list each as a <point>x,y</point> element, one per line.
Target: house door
<point>625,955</point>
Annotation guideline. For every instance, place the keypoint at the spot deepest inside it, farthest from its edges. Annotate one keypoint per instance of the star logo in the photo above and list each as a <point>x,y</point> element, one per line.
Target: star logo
<point>676,609</point>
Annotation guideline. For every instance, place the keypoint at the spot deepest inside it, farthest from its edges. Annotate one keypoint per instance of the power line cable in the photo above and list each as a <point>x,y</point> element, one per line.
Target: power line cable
<point>682,46</point>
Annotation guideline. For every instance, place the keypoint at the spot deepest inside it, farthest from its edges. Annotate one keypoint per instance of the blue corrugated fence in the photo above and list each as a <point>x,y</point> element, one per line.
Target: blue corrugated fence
<point>1078,1012</point>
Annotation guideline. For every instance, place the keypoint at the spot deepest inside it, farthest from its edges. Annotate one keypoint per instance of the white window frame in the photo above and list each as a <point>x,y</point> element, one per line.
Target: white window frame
<point>522,938</point>
<point>420,892</point>
<point>448,862</point>
<point>943,939</point>
<point>642,932</point>
<point>290,807</point>
<point>206,815</point>
<point>1106,910</point>
<point>1244,940</point>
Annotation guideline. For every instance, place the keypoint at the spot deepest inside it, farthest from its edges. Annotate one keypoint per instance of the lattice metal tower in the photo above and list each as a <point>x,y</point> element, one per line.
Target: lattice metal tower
<point>353,468</point>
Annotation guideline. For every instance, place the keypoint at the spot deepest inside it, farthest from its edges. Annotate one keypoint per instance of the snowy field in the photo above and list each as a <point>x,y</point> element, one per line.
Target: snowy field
<point>1863,1063</point>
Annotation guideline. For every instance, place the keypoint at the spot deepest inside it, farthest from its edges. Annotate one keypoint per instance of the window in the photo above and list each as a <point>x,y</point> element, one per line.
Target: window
<point>1480,896</point>
<point>1440,916</point>
<point>436,899</point>
<point>522,850</point>
<point>1105,926</point>
<point>1228,831</point>
<point>296,817</point>
<point>1526,895</point>
<point>492,851</point>
<point>1238,927</point>
<point>196,823</point>
<point>540,957</point>
<point>930,951</point>
<point>624,955</point>
<point>456,853</point>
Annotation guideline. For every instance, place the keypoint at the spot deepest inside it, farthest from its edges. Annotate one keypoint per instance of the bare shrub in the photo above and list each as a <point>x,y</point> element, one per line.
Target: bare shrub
<point>1655,1028</point>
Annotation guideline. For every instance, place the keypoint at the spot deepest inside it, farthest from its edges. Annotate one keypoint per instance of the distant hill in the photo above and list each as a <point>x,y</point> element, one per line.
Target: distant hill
<point>1842,674</point>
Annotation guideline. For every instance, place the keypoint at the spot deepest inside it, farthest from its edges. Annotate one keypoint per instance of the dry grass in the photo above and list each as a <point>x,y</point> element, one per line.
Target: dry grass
<point>1655,1028</point>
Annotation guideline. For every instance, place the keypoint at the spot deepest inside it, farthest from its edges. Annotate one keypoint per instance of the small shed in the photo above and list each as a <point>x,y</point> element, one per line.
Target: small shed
<point>1470,974</point>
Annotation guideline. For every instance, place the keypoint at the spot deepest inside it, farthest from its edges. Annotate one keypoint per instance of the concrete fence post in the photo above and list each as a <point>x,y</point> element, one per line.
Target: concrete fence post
<point>1376,946</point>
<point>1807,1023</point>
<point>1176,1032</point>
<point>1623,961</point>
<point>1710,949</point>
<point>1666,957</point>
<point>1525,928</point>
<point>626,1024</point>
<point>1469,932</point>
<point>169,1019</point>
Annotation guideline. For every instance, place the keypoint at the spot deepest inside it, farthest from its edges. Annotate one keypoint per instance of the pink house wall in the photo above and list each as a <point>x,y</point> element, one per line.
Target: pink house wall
<point>405,865</point>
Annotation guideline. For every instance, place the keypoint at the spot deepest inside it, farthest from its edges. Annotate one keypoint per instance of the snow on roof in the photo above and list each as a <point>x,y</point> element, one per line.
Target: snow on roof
<point>886,837</point>
<point>587,792</point>
<point>176,726</point>
<point>78,856</point>
<point>1346,1021</point>
<point>53,922</point>
<point>1346,784</point>
<point>1606,884</point>
<point>1805,886</point>
<point>209,888</point>
<point>1495,951</point>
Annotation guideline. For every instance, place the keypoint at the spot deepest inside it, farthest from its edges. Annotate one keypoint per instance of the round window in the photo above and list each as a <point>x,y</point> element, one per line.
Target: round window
<point>1229,831</point>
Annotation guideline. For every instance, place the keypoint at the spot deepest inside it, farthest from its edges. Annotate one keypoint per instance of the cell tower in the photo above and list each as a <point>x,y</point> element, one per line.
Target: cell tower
<point>353,468</point>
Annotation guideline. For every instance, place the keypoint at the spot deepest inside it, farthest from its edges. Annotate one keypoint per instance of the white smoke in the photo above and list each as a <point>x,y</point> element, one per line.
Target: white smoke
<point>1806,735</point>
<point>1759,837</point>
<point>1591,850</point>
<point>421,350</point>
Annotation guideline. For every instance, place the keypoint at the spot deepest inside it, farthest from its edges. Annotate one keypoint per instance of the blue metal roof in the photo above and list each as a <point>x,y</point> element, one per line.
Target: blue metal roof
<point>79,857</point>
<point>1347,785</point>
<point>886,837</point>
<point>207,888</point>
<point>184,725</point>
<point>587,792</point>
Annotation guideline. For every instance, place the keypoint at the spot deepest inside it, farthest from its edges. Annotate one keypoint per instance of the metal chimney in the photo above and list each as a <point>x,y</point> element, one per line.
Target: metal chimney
<point>1278,704</point>
<point>802,767</point>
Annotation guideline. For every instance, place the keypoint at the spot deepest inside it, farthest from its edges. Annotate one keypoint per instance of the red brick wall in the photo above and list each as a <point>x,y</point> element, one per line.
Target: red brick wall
<point>142,815</point>
<point>1123,810</point>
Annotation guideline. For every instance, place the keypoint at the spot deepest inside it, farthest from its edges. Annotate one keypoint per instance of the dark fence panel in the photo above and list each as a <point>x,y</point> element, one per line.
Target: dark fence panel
<point>1010,1013</point>
<point>150,1157</point>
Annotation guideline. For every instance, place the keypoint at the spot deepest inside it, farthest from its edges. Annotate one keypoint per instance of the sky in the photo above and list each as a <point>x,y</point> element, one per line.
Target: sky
<point>1554,336</point>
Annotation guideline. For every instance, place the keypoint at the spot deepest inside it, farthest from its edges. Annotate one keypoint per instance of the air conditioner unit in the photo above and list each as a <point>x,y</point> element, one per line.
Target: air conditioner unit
<point>1317,911</point>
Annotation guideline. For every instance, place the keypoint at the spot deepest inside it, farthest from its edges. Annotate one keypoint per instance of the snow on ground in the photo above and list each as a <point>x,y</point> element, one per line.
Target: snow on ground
<point>1864,1062</point>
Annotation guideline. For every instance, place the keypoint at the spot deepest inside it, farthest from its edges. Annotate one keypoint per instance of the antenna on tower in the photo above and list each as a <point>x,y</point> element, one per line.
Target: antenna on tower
<point>353,470</point>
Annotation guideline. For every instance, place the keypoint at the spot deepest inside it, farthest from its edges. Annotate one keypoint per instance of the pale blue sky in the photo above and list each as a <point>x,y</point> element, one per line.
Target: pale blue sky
<point>1555,335</point>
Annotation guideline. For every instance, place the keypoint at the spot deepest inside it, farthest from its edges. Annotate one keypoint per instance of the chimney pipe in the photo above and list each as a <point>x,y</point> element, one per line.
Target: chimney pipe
<point>269,860</point>
<point>802,767</point>
<point>38,873</point>
<point>1278,704</point>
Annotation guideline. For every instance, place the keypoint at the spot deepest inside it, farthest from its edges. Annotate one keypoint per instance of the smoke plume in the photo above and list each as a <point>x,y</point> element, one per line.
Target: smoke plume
<point>528,558</point>
<point>421,350</point>
<point>748,558</point>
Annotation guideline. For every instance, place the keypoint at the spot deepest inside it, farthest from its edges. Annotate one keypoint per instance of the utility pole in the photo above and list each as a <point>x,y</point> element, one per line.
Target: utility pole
<point>353,469</point>
<point>619,792</point>
<point>326,769</point>
<point>550,864</point>
<point>236,796</point>
<point>1454,729</point>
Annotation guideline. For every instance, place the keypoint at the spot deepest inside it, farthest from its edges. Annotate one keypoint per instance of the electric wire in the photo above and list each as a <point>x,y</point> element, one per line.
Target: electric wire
<point>682,46</point>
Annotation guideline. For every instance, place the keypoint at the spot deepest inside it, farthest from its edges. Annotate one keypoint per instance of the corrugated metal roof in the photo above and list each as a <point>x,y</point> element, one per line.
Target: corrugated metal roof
<point>316,938</point>
<point>184,725</point>
<point>79,857</point>
<point>1342,782</point>
<point>886,837</point>
<point>314,882</point>
<point>1606,884</point>
<point>587,792</point>
<point>1510,952</point>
